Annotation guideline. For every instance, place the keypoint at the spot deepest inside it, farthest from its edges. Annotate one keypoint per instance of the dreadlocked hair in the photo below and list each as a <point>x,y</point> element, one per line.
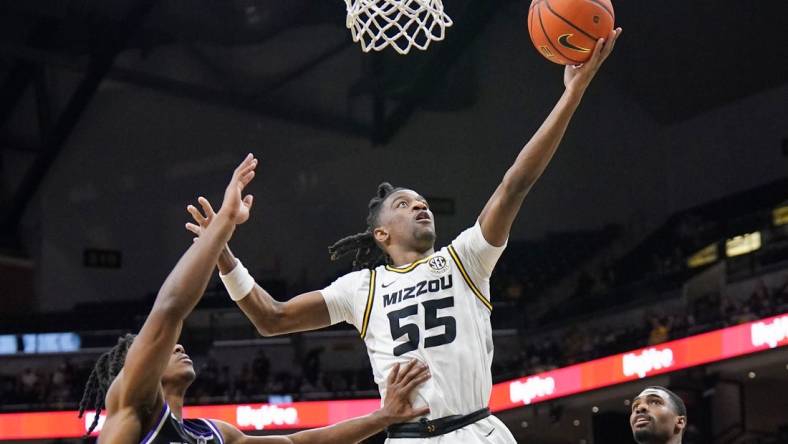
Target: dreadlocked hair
<point>104,372</point>
<point>367,252</point>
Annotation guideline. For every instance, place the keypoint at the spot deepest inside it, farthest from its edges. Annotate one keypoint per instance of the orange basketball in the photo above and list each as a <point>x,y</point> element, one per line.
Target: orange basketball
<point>565,31</point>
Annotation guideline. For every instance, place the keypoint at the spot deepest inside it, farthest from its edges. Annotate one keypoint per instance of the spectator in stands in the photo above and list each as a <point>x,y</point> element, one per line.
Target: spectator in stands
<point>660,330</point>
<point>8,389</point>
<point>514,291</point>
<point>781,297</point>
<point>261,366</point>
<point>745,314</point>
<point>587,345</point>
<point>58,385</point>
<point>573,342</point>
<point>706,309</point>
<point>658,417</point>
<point>29,384</point>
<point>308,387</point>
<point>760,302</point>
<point>223,383</point>
<point>311,365</point>
<point>245,383</point>
<point>210,374</point>
<point>729,310</point>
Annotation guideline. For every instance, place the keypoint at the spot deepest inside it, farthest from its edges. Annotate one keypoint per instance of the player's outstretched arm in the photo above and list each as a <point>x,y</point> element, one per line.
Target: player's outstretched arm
<point>307,311</point>
<point>498,214</point>
<point>396,409</point>
<point>270,317</point>
<point>138,383</point>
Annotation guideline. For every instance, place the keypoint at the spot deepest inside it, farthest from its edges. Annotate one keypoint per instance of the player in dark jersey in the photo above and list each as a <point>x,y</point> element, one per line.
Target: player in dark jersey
<point>143,379</point>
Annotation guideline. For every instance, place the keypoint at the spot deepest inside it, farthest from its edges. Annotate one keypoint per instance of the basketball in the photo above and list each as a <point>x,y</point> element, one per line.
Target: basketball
<point>565,31</point>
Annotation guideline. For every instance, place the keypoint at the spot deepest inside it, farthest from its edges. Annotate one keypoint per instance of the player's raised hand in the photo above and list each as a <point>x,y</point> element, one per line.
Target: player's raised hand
<point>578,77</point>
<point>202,219</point>
<point>402,381</point>
<point>235,205</point>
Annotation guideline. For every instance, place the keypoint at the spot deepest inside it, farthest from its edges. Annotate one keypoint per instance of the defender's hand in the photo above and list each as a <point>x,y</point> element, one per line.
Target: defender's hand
<point>401,383</point>
<point>202,219</point>
<point>235,206</point>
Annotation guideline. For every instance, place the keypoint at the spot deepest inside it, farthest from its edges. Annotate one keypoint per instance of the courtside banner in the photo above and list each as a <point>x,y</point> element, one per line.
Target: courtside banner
<point>709,347</point>
<point>248,417</point>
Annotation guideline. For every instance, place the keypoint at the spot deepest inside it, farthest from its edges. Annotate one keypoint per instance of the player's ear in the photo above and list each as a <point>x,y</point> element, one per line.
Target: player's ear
<point>381,235</point>
<point>681,422</point>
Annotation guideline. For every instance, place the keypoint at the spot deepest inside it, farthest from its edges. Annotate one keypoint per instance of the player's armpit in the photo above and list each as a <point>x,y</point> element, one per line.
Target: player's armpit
<point>304,312</point>
<point>122,423</point>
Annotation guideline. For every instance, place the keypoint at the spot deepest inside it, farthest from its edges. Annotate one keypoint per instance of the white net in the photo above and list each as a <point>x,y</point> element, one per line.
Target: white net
<point>401,24</point>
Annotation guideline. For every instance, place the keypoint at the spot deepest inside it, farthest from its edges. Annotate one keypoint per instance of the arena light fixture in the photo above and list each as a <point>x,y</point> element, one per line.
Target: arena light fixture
<point>743,244</point>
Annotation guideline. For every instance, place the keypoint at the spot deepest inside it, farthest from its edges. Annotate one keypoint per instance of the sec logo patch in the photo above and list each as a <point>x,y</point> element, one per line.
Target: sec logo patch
<point>438,264</point>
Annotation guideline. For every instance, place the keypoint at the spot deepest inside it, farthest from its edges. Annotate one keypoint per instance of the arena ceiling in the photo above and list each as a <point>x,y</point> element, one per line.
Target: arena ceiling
<point>680,58</point>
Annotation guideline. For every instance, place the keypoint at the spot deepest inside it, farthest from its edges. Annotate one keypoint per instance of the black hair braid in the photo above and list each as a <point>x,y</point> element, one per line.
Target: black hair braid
<point>368,253</point>
<point>104,372</point>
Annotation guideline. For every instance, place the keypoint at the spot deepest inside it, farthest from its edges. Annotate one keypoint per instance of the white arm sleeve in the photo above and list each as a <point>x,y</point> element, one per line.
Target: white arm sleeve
<point>343,295</point>
<point>478,255</point>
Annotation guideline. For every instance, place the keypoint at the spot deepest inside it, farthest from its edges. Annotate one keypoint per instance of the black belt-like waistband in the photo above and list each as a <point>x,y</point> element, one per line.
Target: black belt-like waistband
<point>428,428</point>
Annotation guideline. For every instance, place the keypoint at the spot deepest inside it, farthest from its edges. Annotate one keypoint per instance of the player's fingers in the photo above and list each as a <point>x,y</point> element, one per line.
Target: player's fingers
<point>611,42</point>
<point>206,207</point>
<point>596,55</point>
<point>601,44</point>
<point>246,167</point>
<point>424,411</point>
<point>418,369</point>
<point>198,217</point>
<point>618,32</point>
<point>244,163</point>
<point>242,169</point>
<point>415,371</point>
<point>393,373</point>
<point>415,382</point>
<point>193,228</point>
<point>246,178</point>
<point>248,200</point>
<point>611,36</point>
<point>403,371</point>
<point>418,378</point>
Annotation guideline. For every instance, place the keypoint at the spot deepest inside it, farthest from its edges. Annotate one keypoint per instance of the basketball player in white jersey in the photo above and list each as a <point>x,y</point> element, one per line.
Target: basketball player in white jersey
<point>409,301</point>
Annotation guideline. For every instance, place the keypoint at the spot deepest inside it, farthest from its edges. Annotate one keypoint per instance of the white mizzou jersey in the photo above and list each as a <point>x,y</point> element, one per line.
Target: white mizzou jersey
<point>436,310</point>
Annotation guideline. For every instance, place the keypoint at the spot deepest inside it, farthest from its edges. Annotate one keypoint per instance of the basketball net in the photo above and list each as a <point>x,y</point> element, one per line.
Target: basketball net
<point>401,24</point>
